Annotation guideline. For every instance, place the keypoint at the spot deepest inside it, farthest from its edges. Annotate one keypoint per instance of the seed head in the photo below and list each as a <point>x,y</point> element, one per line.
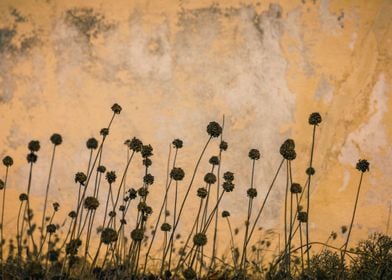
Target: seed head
<point>80,178</point>
<point>92,143</point>
<point>23,197</point>
<point>143,192</point>
<point>343,229</point>
<point>228,176</point>
<point>254,154</point>
<point>112,214</point>
<point>147,151</point>
<point>287,149</point>
<point>111,176</point>
<point>225,214</point>
<point>147,162</point>
<point>56,139</point>
<point>72,246</point>
<point>116,108</point>
<point>228,186</point>
<point>202,192</point>
<point>189,274</point>
<point>132,193</point>
<point>200,239</point>
<point>165,227</point>
<point>34,146</point>
<point>2,184</point>
<point>214,160</point>
<point>177,174</point>
<point>72,214</point>
<point>135,145</point>
<point>334,235</point>
<point>302,217</point>
<point>223,146</point>
<point>108,235</point>
<point>310,171</point>
<point>123,221</point>
<point>210,178</point>
<point>101,169</point>
<point>121,208</point>
<point>31,158</point>
<point>104,131</point>
<point>148,179</point>
<point>56,206</point>
<point>363,165</point>
<point>177,143</point>
<point>252,192</point>
<point>315,119</point>
<point>295,188</point>
<point>51,228</point>
<point>91,203</point>
<point>214,129</point>
<point>137,235</point>
<point>8,161</point>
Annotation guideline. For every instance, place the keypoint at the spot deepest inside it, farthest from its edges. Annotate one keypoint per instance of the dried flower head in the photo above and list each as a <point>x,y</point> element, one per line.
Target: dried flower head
<point>334,235</point>
<point>80,178</point>
<point>228,186</point>
<point>56,139</point>
<point>51,228</point>
<point>210,178</point>
<point>31,158</point>
<point>302,217</point>
<point>116,108</point>
<point>34,146</point>
<point>23,197</point>
<point>363,165</point>
<point>200,239</point>
<point>8,161</point>
<point>214,129</point>
<point>214,160</point>
<point>112,214</point>
<point>223,146</point>
<point>123,221</point>
<point>91,203</point>
<point>177,174</point>
<point>104,131</point>
<point>166,227</point>
<point>142,206</point>
<point>101,169</point>
<point>202,192</point>
<point>132,193</point>
<point>135,145</point>
<point>92,143</point>
<point>287,149</point>
<point>148,179</point>
<point>251,192</point>
<point>108,235</point>
<point>147,162</point>
<point>72,214</point>
<point>56,206</point>
<point>2,184</point>
<point>72,246</point>
<point>177,143</point>
<point>295,188</point>
<point>310,171</point>
<point>228,176</point>
<point>122,208</point>
<point>189,274</point>
<point>254,154</point>
<point>225,214</point>
<point>111,177</point>
<point>137,234</point>
<point>315,118</point>
<point>343,229</point>
<point>143,192</point>
<point>147,151</point>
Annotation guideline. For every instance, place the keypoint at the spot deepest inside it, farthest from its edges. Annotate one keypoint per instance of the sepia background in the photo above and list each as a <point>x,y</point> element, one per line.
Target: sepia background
<point>174,66</point>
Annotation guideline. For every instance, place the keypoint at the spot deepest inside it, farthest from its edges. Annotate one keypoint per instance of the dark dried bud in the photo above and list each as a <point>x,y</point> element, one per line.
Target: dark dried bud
<point>177,143</point>
<point>135,145</point>
<point>210,178</point>
<point>121,208</point>
<point>287,149</point>
<point>91,203</point>
<point>72,247</point>
<point>314,118</point>
<point>214,160</point>
<point>32,158</point>
<point>51,228</point>
<point>56,139</point>
<point>252,192</point>
<point>137,235</point>
<point>334,235</point>
<point>200,239</point>
<point>148,179</point>
<point>225,214</point>
<point>363,165</point>
<point>228,176</point>
<point>228,186</point>
<point>112,214</point>
<point>254,154</point>
<point>116,108</point>
<point>143,192</point>
<point>202,192</point>
<point>108,235</point>
<point>147,151</point>
<point>214,129</point>
<point>56,206</point>
<point>223,146</point>
<point>343,229</point>
<point>53,255</point>
<point>148,210</point>
<point>310,171</point>
<point>8,161</point>
<point>132,193</point>
<point>295,188</point>
<point>123,221</point>
<point>189,274</point>
<point>142,206</point>
<point>80,178</point>
<point>165,227</point>
<point>92,143</point>
<point>23,197</point>
<point>104,132</point>
<point>111,176</point>
<point>177,174</point>
<point>302,217</point>
<point>101,169</point>
<point>72,214</point>
<point>2,184</point>
<point>34,146</point>
<point>147,162</point>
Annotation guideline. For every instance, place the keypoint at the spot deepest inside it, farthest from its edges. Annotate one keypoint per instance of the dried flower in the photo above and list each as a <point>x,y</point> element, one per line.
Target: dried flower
<point>137,235</point>
<point>56,139</point>
<point>72,214</point>
<point>91,203</point>
<point>72,246</point>
<point>32,158</point>
<point>101,169</point>
<point>56,206</point>
<point>228,176</point>
<point>223,146</point>
<point>166,227</point>
<point>363,165</point>
<point>2,184</point>
<point>135,145</point>
<point>116,108</point>
<point>177,143</point>
<point>302,217</point>
<point>287,149</point>
<point>23,197</point>
<point>92,143</point>
<point>111,176</point>
<point>80,178</point>
<point>51,228</point>
<point>148,179</point>
<point>200,239</point>
<point>143,192</point>
<point>225,214</point>
<point>214,129</point>
<point>343,229</point>
<point>189,274</point>
<point>108,235</point>
<point>334,235</point>
<point>34,146</point>
<point>146,151</point>
<point>228,186</point>
<point>123,221</point>
<point>202,192</point>
<point>112,214</point>
<point>8,161</point>
<point>295,188</point>
<point>210,178</point>
<point>132,193</point>
<point>104,131</point>
<point>254,154</point>
<point>214,160</point>
<point>252,192</point>
<point>147,162</point>
<point>314,118</point>
<point>310,171</point>
<point>177,174</point>
<point>121,208</point>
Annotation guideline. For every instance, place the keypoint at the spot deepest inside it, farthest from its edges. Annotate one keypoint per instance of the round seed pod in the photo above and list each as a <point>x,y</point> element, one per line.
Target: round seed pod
<point>104,131</point>
<point>92,143</point>
<point>295,188</point>
<point>80,178</point>
<point>31,158</point>
<point>223,146</point>
<point>228,186</point>
<point>177,143</point>
<point>166,227</point>
<point>101,169</point>
<point>143,192</point>
<point>210,178</point>
<point>310,171</point>
<point>116,108</point>
<point>8,161</point>
<point>56,139</point>
<point>51,228</point>
<point>315,118</point>
<point>23,197</point>
<point>254,154</point>
<point>147,151</point>
<point>214,129</point>
<point>111,177</point>
<point>135,145</point>
<point>34,146</point>
<point>363,165</point>
<point>302,217</point>
<point>214,160</point>
<point>189,274</point>
<point>228,176</point>
<point>137,234</point>
<point>251,192</point>
<point>148,179</point>
<point>91,203</point>
<point>225,214</point>
<point>200,239</point>
<point>72,214</point>
<point>177,174</point>
<point>202,193</point>
<point>108,235</point>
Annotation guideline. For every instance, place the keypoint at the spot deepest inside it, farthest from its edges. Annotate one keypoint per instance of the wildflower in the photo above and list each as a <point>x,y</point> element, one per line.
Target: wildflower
<point>147,162</point>
<point>210,178</point>
<point>137,234</point>
<point>104,131</point>
<point>80,178</point>
<point>363,165</point>
<point>92,143</point>
<point>202,193</point>
<point>214,160</point>
<point>310,171</point>
<point>116,108</point>
<point>56,139</point>
<point>287,149</point>
<point>314,118</point>
<point>165,227</point>
<point>146,151</point>
<point>252,192</point>
<point>148,179</point>
<point>223,146</point>
<point>32,158</point>
<point>2,184</point>
<point>302,217</point>
<point>135,145</point>
<point>111,176</point>
<point>91,203</point>
<point>228,176</point>
<point>56,206</point>
<point>8,161</point>
<point>214,129</point>
<point>72,214</point>
<point>108,235</point>
<point>132,193</point>
<point>200,239</point>
<point>296,188</point>
<point>225,214</point>
<point>177,143</point>
<point>177,174</point>
<point>189,273</point>
<point>101,169</point>
<point>51,228</point>
<point>143,192</point>
<point>34,146</point>
<point>228,186</point>
<point>254,154</point>
<point>23,197</point>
